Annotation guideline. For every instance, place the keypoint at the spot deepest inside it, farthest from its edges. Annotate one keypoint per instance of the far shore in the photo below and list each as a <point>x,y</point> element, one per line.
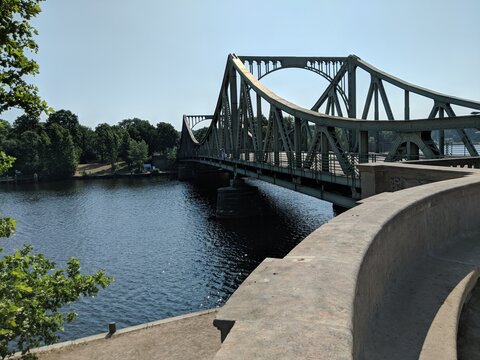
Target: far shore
<point>98,171</point>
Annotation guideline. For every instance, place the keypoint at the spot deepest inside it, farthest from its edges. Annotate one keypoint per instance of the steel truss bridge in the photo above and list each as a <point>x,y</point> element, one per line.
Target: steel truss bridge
<point>256,133</point>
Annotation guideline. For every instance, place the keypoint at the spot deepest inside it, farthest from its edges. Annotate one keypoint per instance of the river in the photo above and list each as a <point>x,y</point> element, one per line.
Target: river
<point>157,237</point>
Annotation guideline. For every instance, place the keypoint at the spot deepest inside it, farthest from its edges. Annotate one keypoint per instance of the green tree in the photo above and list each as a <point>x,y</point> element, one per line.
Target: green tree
<point>61,155</point>
<point>87,144</point>
<point>16,42</point>
<point>138,130</point>
<point>125,141</point>
<point>108,143</point>
<point>26,122</point>
<point>31,152</point>
<point>137,154</point>
<point>167,137</point>
<point>5,129</point>
<point>67,120</point>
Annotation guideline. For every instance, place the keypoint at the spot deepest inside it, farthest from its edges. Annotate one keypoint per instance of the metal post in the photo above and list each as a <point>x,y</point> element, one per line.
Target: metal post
<point>376,117</point>
<point>298,142</point>
<point>259,156</point>
<point>276,143</point>
<point>325,153</point>
<point>413,152</point>
<point>234,110</point>
<point>363,147</point>
<point>407,105</point>
<point>352,100</point>
<point>441,134</point>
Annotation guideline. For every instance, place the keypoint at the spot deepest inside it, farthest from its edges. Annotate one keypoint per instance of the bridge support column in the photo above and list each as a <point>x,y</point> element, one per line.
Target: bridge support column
<point>363,147</point>
<point>238,200</point>
<point>298,142</point>
<point>413,152</point>
<point>441,141</point>
<point>325,154</point>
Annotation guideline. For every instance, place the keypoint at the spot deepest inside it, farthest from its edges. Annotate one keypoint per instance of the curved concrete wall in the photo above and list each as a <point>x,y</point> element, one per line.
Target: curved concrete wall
<point>418,222</point>
<point>322,299</point>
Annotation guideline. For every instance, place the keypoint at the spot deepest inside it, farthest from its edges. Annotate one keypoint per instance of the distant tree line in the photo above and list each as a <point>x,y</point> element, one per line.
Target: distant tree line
<point>54,148</point>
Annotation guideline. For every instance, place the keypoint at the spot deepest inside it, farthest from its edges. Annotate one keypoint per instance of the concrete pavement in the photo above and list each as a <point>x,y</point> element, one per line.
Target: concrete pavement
<point>190,336</point>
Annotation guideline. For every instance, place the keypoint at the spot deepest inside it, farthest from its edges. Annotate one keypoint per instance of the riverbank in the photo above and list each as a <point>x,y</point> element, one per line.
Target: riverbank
<point>190,336</point>
<point>95,171</point>
<point>101,170</point>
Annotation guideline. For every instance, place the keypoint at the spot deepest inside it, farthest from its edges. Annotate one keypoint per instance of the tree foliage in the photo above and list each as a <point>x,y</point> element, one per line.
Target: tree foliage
<point>45,148</point>
<point>67,120</point>
<point>61,159</point>
<point>32,292</point>
<point>108,143</point>
<point>167,137</point>
<point>26,123</point>
<point>16,44</point>
<point>137,154</point>
<point>6,162</point>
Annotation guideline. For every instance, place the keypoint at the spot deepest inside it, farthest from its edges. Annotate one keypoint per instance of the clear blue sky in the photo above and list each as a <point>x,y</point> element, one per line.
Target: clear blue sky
<point>107,60</point>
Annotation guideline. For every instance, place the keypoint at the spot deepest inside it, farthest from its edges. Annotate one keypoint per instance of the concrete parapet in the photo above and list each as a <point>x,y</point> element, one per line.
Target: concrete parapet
<point>366,285</point>
<point>389,177</point>
<point>441,340</point>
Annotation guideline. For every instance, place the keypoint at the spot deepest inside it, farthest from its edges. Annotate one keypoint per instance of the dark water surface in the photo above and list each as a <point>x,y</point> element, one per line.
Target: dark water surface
<point>157,237</point>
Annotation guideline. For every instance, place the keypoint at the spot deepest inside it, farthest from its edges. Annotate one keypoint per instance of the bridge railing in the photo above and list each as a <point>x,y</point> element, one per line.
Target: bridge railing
<point>297,164</point>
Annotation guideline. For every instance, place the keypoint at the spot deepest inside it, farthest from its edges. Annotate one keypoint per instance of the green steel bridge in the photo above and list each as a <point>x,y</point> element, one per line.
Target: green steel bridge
<point>254,132</point>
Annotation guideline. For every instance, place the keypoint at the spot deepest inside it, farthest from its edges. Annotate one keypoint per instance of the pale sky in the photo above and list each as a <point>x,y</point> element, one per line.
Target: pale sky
<point>108,60</point>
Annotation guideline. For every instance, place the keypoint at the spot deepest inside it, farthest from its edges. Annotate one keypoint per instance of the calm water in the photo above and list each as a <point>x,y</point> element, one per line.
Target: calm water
<point>158,238</point>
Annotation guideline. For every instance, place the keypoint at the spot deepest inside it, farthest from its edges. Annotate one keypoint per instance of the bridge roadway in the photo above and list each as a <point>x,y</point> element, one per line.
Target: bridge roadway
<point>323,179</point>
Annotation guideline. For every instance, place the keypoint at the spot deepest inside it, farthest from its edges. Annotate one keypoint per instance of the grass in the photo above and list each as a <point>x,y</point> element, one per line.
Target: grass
<point>99,169</point>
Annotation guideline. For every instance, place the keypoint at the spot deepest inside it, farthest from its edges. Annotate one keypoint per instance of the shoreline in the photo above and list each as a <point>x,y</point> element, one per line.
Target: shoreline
<point>171,173</point>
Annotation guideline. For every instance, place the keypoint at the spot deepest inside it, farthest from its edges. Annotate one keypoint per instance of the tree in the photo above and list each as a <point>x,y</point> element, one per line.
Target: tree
<point>87,143</point>
<point>4,132</point>
<point>137,154</point>
<point>61,159</point>
<point>31,152</point>
<point>138,130</point>
<point>125,141</point>
<point>167,137</point>
<point>67,120</point>
<point>108,143</point>
<point>16,41</point>
<point>26,122</point>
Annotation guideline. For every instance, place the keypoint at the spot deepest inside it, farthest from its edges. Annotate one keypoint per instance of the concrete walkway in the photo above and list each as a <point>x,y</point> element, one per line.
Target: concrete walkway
<point>191,336</point>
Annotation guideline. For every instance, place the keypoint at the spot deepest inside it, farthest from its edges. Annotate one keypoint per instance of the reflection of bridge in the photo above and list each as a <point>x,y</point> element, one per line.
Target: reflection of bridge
<point>256,133</point>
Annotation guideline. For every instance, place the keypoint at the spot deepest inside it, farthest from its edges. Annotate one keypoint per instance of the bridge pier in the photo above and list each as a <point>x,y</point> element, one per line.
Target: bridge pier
<point>238,200</point>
